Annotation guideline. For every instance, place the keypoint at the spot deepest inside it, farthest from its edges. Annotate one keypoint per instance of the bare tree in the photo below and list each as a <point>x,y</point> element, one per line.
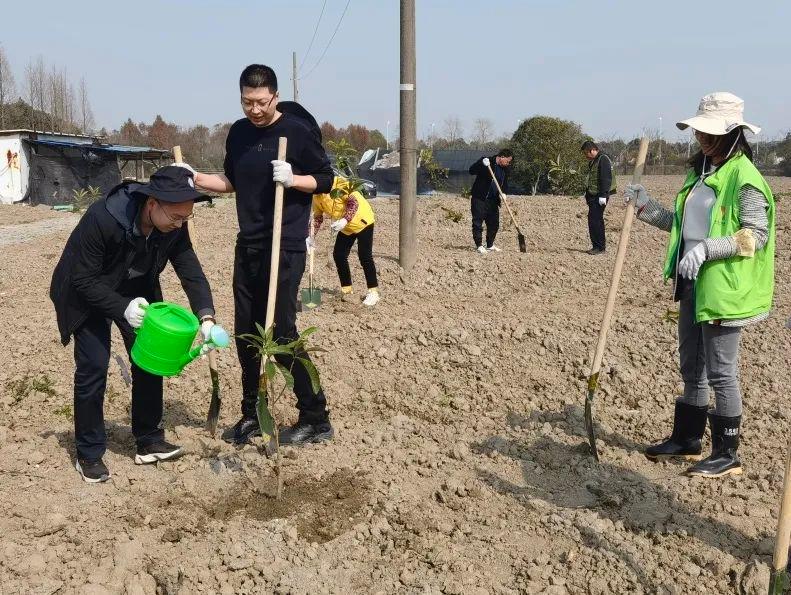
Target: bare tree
<point>7,85</point>
<point>35,83</point>
<point>482,130</point>
<point>84,104</point>
<point>453,128</point>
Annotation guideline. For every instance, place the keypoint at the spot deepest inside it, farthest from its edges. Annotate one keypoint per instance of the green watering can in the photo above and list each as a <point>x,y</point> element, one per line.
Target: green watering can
<point>163,345</point>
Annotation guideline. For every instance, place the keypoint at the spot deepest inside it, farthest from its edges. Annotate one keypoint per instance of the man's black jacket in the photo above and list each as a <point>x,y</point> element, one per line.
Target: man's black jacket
<point>96,260</point>
<point>483,180</point>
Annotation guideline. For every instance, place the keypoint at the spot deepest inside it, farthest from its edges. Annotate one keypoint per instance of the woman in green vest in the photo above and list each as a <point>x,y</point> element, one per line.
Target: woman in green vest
<point>721,260</point>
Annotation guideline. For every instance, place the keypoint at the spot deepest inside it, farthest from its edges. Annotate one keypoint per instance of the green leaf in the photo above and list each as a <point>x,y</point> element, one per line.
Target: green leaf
<point>315,350</point>
<point>265,419</point>
<point>287,376</point>
<point>254,340</point>
<point>312,372</point>
<point>270,369</point>
<point>276,349</point>
<point>307,332</point>
<point>261,331</point>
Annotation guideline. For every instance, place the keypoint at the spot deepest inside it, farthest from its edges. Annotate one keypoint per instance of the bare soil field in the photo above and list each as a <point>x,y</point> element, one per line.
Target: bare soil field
<point>460,463</point>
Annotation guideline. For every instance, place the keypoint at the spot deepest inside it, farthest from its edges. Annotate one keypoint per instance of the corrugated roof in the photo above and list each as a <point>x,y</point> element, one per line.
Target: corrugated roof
<point>459,159</point>
<point>27,130</point>
<point>97,147</point>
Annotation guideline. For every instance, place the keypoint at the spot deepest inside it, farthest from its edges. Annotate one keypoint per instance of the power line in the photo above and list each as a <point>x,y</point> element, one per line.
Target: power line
<point>312,39</point>
<point>329,42</point>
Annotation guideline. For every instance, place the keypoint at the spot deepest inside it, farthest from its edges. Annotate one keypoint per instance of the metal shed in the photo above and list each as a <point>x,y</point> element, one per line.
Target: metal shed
<point>47,168</point>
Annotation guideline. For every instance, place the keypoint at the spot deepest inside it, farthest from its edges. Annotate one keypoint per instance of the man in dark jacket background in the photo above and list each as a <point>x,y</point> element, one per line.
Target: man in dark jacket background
<point>485,200</point>
<point>598,188</point>
<point>108,272</point>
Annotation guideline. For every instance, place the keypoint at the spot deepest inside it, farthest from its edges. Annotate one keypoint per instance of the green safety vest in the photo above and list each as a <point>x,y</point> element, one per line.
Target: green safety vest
<point>736,287</point>
<point>592,185</point>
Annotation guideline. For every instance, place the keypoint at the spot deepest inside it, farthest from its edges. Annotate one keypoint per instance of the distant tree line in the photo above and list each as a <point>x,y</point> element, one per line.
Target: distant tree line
<point>47,99</point>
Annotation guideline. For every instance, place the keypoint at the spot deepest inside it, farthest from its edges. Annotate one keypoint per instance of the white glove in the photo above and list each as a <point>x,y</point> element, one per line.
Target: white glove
<point>339,224</point>
<point>134,312</point>
<point>602,201</point>
<point>690,264</point>
<point>205,329</point>
<point>310,244</point>
<point>281,172</point>
<point>486,162</point>
<point>638,194</point>
<point>185,166</point>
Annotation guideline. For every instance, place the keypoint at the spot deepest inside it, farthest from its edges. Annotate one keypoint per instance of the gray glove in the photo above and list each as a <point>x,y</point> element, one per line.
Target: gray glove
<point>638,194</point>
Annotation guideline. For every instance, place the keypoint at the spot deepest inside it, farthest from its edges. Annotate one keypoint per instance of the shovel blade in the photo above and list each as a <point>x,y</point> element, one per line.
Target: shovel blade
<point>589,425</point>
<point>522,243</point>
<point>311,298</point>
<point>214,404</point>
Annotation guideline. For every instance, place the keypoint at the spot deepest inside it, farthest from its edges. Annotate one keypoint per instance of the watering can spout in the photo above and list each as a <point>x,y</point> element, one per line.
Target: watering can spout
<point>218,337</point>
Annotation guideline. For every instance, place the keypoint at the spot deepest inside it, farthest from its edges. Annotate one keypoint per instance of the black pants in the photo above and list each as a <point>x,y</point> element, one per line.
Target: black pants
<point>485,211</point>
<point>596,222</point>
<point>365,247</point>
<point>250,292</point>
<point>92,357</point>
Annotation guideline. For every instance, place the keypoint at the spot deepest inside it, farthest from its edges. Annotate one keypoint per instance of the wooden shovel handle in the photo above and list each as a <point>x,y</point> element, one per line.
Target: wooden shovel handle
<point>784,521</point>
<point>503,198</point>
<point>620,256</point>
<point>179,158</point>
<point>277,225</point>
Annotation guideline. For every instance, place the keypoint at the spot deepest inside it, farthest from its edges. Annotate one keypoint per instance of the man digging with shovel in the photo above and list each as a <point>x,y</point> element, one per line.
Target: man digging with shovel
<point>109,272</point>
<point>485,199</point>
<point>251,170</point>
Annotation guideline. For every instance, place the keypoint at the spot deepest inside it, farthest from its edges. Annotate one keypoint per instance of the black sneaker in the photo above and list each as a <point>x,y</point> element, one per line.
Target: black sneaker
<point>158,451</point>
<point>305,433</point>
<point>595,251</point>
<point>242,431</point>
<point>92,471</point>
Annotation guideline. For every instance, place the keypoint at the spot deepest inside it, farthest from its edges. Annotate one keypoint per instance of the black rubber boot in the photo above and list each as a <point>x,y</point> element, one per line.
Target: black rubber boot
<point>689,424</point>
<point>724,444</point>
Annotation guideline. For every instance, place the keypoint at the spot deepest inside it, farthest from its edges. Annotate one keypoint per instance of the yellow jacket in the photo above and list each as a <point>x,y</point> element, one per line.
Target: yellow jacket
<point>354,207</point>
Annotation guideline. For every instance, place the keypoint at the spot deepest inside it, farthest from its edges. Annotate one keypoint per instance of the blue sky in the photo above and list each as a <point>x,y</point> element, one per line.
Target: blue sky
<point>613,66</point>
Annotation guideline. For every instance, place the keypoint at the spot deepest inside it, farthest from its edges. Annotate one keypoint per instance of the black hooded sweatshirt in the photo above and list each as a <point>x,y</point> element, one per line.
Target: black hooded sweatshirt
<point>98,260</point>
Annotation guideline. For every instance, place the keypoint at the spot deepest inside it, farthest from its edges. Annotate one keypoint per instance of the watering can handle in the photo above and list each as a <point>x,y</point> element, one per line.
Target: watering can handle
<point>142,307</point>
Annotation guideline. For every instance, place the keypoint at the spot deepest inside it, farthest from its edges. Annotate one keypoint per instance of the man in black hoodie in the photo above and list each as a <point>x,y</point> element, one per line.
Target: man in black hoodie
<point>485,200</point>
<point>109,272</point>
<point>251,170</point>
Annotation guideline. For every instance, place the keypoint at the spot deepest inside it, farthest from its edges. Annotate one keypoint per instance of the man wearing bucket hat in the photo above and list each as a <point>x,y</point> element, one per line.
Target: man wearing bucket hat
<point>109,272</point>
<point>721,259</point>
<point>251,170</point>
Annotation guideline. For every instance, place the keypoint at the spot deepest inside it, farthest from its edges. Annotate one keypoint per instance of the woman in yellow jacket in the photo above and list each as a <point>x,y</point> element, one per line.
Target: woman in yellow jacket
<point>353,219</point>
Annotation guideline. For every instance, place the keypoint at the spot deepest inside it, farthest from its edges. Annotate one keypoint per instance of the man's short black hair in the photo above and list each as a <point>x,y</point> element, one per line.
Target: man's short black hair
<point>588,145</point>
<point>505,153</point>
<point>256,76</point>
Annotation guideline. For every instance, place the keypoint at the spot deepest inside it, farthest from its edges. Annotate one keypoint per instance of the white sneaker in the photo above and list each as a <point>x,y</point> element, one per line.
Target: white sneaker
<point>371,299</point>
<point>494,249</point>
<point>482,249</point>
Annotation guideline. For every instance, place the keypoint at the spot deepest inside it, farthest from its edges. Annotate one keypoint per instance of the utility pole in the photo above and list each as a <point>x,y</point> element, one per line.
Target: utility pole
<point>407,238</point>
<point>294,74</point>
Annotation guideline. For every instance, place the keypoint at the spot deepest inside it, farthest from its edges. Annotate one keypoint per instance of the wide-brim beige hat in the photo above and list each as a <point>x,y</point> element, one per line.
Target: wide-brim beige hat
<point>719,113</point>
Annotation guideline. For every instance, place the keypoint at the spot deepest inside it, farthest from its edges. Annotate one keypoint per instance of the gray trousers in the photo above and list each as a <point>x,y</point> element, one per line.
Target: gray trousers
<point>709,358</point>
